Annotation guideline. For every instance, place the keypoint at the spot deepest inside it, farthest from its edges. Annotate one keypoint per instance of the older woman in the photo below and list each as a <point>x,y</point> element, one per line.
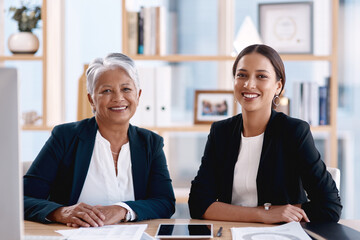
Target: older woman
<point>101,170</point>
<point>257,165</point>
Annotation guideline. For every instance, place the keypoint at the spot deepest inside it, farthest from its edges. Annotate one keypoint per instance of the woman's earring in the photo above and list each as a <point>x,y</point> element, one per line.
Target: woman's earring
<point>276,100</point>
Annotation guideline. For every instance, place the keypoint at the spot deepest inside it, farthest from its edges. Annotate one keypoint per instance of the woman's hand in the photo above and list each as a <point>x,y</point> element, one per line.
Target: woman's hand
<point>284,213</point>
<point>78,215</point>
<point>113,213</point>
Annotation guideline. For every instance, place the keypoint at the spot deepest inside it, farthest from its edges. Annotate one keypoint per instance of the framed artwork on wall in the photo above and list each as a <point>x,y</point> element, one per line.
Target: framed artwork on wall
<point>213,105</point>
<point>287,27</point>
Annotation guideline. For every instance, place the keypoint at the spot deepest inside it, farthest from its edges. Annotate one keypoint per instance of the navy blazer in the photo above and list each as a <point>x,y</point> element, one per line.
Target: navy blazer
<point>289,164</point>
<point>57,175</point>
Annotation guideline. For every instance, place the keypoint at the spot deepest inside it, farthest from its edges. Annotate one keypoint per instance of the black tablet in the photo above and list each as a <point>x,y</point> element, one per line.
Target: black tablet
<point>179,230</point>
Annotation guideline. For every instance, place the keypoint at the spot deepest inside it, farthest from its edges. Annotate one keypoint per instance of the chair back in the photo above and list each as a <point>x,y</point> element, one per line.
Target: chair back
<point>25,166</point>
<point>335,174</point>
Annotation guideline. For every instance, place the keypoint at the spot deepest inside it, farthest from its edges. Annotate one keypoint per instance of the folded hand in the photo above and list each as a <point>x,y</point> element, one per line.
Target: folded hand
<point>78,215</point>
<point>284,213</point>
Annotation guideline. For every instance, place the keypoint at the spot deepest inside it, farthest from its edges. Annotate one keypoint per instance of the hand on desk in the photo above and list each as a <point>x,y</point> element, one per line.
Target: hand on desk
<point>284,213</point>
<point>84,215</point>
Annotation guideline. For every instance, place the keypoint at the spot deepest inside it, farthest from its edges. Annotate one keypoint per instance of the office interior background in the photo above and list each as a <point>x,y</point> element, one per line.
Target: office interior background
<point>82,30</point>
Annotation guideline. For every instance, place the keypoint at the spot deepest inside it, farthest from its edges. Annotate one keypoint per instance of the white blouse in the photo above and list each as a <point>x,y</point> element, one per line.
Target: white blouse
<point>244,192</point>
<point>102,186</point>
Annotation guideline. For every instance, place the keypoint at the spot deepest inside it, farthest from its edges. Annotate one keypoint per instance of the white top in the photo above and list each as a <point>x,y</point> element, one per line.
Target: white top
<point>244,192</point>
<point>102,186</point>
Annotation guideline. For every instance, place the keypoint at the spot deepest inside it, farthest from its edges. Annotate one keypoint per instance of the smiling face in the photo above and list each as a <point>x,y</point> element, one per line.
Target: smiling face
<point>115,98</point>
<point>255,83</point>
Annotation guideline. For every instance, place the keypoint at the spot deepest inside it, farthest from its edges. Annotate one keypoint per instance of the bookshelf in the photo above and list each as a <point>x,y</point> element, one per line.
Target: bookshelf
<point>331,58</point>
<point>31,57</point>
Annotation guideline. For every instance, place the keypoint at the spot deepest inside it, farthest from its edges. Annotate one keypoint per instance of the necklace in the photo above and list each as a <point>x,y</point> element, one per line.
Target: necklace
<point>115,153</point>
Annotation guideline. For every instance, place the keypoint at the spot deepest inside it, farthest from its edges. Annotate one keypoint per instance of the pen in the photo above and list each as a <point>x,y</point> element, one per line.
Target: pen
<point>218,234</point>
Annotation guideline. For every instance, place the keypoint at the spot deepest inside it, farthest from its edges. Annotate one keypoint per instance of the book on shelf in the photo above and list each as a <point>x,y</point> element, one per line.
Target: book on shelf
<point>323,102</point>
<point>160,21</point>
<point>132,21</point>
<point>141,31</point>
<point>147,31</point>
<point>310,103</point>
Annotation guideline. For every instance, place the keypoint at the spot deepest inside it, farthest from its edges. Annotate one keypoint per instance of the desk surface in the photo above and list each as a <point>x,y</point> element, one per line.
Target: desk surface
<point>33,228</point>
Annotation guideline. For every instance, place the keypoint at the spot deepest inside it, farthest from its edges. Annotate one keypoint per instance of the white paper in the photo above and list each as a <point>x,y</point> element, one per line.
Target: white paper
<point>292,230</point>
<point>146,236</point>
<point>118,232</point>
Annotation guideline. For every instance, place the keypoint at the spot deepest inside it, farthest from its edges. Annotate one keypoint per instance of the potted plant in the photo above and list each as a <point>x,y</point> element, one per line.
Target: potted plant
<point>25,42</point>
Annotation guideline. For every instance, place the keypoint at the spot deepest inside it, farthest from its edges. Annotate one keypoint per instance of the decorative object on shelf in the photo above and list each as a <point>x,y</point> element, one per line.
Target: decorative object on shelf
<point>25,42</point>
<point>213,105</point>
<point>247,35</point>
<point>30,118</point>
<point>287,27</point>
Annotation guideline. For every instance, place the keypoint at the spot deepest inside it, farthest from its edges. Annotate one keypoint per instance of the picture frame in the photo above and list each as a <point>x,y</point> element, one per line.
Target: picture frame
<point>213,105</point>
<point>287,27</point>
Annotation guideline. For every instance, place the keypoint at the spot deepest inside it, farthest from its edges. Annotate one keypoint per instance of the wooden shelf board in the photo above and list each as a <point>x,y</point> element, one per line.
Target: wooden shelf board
<point>182,58</point>
<point>194,128</point>
<point>304,57</point>
<point>206,127</point>
<point>325,128</point>
<point>26,57</point>
<point>37,128</point>
<point>181,194</point>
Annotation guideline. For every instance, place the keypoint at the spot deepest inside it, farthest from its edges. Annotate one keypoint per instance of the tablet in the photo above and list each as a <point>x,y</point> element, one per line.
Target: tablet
<point>179,230</point>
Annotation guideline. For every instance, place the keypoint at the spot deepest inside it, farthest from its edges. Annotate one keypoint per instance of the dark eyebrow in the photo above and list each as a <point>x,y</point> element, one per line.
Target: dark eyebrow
<point>244,70</point>
<point>263,71</point>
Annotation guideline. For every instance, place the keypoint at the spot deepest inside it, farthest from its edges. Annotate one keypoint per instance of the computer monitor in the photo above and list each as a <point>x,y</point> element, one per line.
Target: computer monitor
<point>11,200</point>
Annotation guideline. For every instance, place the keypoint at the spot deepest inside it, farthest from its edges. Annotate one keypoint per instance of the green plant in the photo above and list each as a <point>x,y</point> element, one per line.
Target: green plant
<point>27,17</point>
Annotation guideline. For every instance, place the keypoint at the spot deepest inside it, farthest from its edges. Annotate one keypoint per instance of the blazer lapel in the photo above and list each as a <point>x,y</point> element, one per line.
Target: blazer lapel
<point>231,158</point>
<point>265,167</point>
<point>139,163</point>
<point>83,157</point>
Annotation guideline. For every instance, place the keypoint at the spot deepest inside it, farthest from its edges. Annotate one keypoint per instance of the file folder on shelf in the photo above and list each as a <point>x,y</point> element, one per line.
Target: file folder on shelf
<point>145,113</point>
<point>163,96</point>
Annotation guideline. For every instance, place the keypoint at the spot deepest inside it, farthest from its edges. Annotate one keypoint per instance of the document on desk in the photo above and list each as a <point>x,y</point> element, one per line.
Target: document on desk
<point>292,230</point>
<point>118,232</point>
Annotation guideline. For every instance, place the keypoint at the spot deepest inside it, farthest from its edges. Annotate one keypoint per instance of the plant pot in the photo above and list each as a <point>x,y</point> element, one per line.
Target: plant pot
<point>23,43</point>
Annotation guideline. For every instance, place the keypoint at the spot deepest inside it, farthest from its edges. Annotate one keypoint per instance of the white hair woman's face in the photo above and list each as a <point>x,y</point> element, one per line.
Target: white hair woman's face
<point>115,97</point>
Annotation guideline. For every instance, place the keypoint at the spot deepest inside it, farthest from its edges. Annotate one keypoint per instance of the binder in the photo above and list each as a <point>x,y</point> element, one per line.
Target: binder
<point>145,113</point>
<point>163,96</point>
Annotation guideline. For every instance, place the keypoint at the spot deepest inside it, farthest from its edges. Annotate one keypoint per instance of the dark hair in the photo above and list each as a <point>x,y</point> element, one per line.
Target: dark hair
<point>270,54</point>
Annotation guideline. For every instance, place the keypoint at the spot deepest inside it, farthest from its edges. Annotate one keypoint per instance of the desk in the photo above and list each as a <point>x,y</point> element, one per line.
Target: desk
<point>33,228</point>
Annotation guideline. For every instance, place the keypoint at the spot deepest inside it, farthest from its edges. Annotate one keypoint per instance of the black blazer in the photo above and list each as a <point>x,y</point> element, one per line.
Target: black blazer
<point>57,175</point>
<point>289,164</point>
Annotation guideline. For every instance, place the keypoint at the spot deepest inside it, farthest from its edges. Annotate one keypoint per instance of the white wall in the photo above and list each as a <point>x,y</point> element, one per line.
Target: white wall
<point>92,29</point>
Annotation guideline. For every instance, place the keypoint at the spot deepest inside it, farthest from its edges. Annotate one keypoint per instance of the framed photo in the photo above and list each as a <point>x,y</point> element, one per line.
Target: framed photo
<point>213,105</point>
<point>287,27</point>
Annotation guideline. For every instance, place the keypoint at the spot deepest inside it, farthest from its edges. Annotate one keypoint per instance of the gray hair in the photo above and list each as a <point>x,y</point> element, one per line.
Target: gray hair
<point>111,61</point>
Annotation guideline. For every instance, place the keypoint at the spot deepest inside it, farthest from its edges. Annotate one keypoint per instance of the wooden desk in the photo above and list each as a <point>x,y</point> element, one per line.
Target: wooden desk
<point>33,228</point>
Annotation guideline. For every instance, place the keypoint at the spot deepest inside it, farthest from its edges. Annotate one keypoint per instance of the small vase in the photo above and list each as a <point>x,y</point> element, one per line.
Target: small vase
<point>23,43</point>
